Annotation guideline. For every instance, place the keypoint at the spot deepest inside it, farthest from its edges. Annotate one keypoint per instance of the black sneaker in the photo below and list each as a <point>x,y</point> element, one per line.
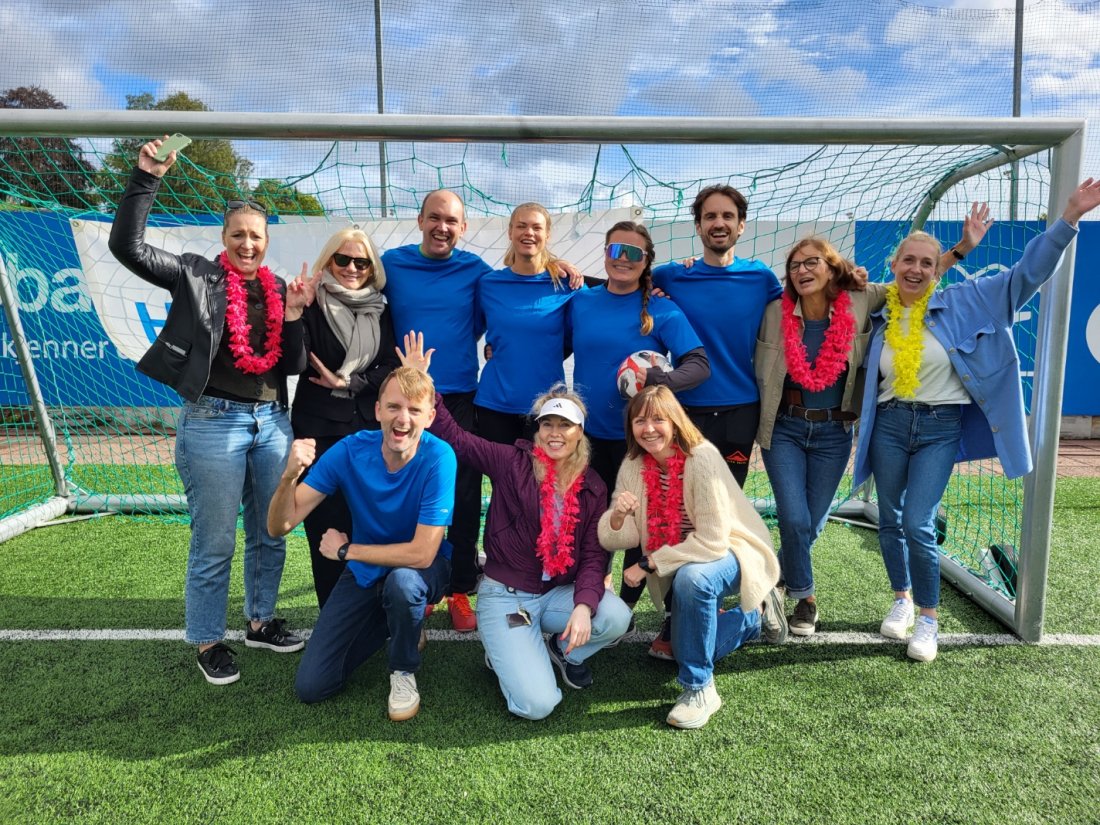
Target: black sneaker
<point>577,677</point>
<point>273,635</point>
<point>218,666</point>
<point>804,622</point>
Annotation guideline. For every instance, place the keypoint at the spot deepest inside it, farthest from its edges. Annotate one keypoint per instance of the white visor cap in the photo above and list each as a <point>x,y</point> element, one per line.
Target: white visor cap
<point>562,407</point>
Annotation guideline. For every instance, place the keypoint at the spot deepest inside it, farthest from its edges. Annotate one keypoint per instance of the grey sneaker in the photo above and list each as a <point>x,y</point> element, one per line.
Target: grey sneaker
<point>804,621</point>
<point>773,618</point>
<point>898,621</point>
<point>695,707</point>
<point>404,700</point>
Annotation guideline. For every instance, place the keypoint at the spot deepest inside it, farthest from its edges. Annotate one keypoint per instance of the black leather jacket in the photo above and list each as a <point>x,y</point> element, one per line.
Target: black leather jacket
<point>185,348</point>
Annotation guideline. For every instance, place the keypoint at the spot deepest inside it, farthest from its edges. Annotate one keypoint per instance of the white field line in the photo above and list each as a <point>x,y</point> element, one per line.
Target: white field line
<point>850,638</point>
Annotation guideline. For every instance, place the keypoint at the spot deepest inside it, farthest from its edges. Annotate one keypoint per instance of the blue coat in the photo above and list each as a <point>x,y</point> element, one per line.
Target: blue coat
<point>973,322</point>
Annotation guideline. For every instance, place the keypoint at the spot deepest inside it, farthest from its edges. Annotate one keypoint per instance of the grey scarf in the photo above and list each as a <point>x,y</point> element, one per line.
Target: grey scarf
<point>353,316</point>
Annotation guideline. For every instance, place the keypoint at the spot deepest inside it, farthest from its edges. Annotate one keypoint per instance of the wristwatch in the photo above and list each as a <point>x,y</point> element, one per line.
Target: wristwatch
<point>342,553</point>
<point>958,255</point>
<point>645,565</point>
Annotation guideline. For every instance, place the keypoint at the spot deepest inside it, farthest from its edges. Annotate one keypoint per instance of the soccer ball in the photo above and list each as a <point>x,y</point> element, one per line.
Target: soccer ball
<point>631,375</point>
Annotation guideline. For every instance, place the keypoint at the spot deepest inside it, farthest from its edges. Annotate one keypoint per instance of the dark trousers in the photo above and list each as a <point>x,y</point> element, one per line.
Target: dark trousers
<point>464,529</point>
<point>607,457</point>
<point>732,430</point>
<point>504,428</point>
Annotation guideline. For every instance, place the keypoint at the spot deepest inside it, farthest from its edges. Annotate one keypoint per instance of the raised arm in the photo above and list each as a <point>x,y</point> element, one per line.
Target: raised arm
<point>975,225</point>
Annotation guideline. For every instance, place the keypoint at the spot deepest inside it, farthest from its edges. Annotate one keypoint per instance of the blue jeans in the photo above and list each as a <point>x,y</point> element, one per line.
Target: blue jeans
<point>912,452</point>
<point>700,636</point>
<point>229,453</point>
<point>805,464</point>
<point>519,655</point>
<point>356,621</point>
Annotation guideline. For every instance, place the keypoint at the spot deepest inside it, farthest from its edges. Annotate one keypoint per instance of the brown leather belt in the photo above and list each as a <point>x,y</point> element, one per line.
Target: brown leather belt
<point>817,416</point>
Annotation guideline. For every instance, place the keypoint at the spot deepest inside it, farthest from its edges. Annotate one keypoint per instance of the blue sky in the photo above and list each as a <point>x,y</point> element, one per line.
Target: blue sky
<point>911,58</point>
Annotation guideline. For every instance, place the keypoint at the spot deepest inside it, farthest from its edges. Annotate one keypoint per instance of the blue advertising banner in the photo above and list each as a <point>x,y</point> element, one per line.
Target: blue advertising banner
<point>1082,393</point>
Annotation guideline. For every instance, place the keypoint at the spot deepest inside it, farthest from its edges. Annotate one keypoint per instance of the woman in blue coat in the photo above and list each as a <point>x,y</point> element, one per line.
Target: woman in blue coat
<point>947,390</point>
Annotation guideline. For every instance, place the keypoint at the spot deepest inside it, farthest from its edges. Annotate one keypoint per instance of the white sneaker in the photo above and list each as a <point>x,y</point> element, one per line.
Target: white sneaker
<point>925,642</point>
<point>695,707</point>
<point>898,621</point>
<point>404,697</point>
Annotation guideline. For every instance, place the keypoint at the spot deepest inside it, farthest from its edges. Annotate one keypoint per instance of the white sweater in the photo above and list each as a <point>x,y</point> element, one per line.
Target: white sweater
<point>725,522</point>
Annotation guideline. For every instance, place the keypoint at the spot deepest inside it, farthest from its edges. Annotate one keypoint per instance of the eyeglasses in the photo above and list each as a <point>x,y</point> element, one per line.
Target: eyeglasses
<point>233,206</point>
<point>808,264</point>
<point>634,254</point>
<point>362,264</point>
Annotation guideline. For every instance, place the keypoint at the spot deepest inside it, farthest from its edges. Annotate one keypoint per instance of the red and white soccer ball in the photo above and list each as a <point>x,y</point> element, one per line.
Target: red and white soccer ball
<point>631,375</point>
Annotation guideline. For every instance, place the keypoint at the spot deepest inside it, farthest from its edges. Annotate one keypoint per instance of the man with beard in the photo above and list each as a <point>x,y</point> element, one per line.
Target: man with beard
<point>723,297</point>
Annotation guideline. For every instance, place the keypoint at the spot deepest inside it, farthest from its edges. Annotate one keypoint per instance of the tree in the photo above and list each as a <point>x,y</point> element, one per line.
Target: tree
<point>44,171</point>
<point>282,199</point>
<point>206,174</point>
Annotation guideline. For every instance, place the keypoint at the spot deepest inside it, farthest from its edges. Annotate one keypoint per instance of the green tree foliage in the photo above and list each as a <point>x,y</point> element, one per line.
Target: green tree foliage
<point>206,174</point>
<point>43,172</point>
<point>285,200</point>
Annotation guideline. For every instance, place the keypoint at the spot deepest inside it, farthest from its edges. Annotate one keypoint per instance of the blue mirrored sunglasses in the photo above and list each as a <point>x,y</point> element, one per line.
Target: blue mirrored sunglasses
<point>634,254</point>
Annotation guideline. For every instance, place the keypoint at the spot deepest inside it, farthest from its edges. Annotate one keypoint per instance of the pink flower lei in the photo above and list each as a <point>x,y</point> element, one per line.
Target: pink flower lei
<point>555,543</point>
<point>663,509</point>
<point>236,319</point>
<point>832,358</point>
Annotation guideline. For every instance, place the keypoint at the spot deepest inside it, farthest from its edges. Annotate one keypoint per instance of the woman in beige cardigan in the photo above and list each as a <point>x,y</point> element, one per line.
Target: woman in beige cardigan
<point>702,539</point>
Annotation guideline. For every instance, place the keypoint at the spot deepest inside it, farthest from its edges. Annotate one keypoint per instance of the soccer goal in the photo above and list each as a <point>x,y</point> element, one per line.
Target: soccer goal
<point>82,432</point>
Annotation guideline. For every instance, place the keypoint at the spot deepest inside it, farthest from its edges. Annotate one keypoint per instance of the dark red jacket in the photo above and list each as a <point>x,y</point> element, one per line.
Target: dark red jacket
<point>512,525</point>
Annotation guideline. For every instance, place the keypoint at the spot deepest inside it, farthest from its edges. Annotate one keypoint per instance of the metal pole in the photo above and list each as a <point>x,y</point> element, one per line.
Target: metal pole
<point>542,129</point>
<point>1017,84</point>
<point>381,97</point>
<point>34,392</point>
<point>1046,406</point>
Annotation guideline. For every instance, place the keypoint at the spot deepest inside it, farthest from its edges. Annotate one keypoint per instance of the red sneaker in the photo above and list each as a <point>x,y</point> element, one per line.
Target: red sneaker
<point>463,618</point>
<point>661,648</point>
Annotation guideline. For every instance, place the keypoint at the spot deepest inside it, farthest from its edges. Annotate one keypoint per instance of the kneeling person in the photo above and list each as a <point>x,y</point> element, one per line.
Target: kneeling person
<point>399,485</point>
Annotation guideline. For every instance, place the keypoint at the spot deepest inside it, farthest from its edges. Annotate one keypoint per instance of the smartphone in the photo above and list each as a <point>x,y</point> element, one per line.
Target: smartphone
<point>173,144</point>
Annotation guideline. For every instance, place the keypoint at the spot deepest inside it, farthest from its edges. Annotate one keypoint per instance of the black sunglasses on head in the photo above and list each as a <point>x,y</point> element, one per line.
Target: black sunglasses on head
<point>362,264</point>
<point>233,206</point>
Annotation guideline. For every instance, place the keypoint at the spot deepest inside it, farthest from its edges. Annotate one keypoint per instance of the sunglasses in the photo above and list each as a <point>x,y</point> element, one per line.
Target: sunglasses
<point>634,254</point>
<point>232,206</point>
<point>808,264</point>
<point>361,264</point>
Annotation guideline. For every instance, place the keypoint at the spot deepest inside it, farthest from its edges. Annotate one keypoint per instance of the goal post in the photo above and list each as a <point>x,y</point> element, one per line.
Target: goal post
<point>861,182</point>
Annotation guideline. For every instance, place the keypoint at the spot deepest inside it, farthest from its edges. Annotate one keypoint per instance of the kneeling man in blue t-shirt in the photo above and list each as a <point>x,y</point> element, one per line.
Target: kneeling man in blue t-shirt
<point>399,485</point>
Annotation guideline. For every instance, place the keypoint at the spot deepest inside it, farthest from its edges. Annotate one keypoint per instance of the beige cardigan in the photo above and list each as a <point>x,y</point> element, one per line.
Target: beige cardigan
<point>725,522</point>
<point>770,360</point>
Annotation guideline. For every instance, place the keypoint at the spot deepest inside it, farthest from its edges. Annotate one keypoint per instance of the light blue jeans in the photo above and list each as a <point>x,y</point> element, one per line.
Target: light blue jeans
<point>912,452</point>
<point>518,654</point>
<point>700,636</point>
<point>805,464</point>
<point>229,453</point>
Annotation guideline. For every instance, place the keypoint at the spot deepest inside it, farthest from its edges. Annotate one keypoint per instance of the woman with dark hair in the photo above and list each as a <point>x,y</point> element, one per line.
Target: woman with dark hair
<point>809,357</point>
<point>703,541</point>
<point>348,335</point>
<point>544,567</point>
<point>946,388</point>
<point>609,323</point>
<point>232,336</point>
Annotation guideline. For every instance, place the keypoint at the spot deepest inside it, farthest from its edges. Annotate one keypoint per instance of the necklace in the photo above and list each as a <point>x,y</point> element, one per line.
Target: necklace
<point>663,509</point>
<point>832,357</point>
<point>909,347</point>
<point>555,542</point>
<point>236,318</point>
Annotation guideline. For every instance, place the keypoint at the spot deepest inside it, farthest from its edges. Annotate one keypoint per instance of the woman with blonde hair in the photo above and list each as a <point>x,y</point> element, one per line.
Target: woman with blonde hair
<point>349,339</point>
<point>702,539</point>
<point>544,567</point>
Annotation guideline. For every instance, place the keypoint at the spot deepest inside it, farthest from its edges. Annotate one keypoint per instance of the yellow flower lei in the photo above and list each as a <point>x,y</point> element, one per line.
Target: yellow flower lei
<point>908,348</point>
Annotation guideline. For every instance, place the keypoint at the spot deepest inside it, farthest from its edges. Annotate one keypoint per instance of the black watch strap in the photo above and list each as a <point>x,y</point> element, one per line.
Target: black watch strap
<point>342,553</point>
<point>645,564</point>
<point>958,255</point>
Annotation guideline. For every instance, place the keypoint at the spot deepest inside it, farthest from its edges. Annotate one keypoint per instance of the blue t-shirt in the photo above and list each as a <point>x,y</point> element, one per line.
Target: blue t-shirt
<point>605,330</point>
<point>386,507</point>
<point>725,306</point>
<point>438,298</point>
<point>525,323</point>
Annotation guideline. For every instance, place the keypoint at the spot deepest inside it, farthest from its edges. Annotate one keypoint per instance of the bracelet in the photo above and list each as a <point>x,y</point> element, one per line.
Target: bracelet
<point>958,255</point>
